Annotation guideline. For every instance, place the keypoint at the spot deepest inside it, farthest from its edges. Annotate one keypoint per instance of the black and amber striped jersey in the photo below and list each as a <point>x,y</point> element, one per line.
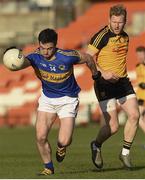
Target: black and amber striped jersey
<point>140,74</point>
<point>111,50</point>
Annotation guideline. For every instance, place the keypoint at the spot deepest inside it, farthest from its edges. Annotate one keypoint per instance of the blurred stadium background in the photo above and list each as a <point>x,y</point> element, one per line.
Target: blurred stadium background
<point>75,21</point>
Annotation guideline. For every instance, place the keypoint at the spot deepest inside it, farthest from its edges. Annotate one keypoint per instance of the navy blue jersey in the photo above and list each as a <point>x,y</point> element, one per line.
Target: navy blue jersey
<point>56,74</point>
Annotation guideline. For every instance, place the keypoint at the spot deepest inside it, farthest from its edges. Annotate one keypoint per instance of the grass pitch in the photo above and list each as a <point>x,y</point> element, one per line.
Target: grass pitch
<point>19,158</point>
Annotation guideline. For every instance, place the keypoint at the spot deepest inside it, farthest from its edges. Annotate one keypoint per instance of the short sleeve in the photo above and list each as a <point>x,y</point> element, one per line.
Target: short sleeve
<point>74,56</point>
<point>31,58</point>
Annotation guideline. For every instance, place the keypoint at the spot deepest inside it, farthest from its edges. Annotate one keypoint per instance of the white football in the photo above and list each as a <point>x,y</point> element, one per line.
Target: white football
<point>13,59</point>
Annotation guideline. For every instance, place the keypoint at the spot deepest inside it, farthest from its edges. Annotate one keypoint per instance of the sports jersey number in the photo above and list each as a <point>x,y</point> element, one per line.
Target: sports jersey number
<point>52,68</point>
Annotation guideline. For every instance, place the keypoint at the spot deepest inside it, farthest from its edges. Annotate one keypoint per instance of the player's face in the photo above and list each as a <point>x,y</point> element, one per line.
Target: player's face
<point>47,49</point>
<point>117,23</point>
<point>140,56</point>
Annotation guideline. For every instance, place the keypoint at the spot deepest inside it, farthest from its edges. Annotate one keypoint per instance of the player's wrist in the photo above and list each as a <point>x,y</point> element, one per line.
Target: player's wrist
<point>96,76</point>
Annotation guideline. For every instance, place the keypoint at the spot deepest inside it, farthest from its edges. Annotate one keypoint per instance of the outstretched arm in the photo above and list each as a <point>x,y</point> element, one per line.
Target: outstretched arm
<point>26,63</point>
<point>86,58</point>
<point>14,59</point>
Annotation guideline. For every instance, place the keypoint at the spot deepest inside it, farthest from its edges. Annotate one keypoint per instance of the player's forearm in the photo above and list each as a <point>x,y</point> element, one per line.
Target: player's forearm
<point>14,59</point>
<point>26,63</point>
<point>91,65</point>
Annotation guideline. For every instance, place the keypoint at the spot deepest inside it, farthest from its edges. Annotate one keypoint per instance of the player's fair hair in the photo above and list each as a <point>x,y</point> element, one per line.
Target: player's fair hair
<point>118,10</point>
<point>47,36</point>
<point>140,49</point>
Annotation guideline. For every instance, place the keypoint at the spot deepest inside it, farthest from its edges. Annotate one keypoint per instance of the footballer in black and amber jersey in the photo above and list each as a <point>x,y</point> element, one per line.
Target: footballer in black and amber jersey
<point>112,87</point>
<point>140,72</point>
<point>111,50</point>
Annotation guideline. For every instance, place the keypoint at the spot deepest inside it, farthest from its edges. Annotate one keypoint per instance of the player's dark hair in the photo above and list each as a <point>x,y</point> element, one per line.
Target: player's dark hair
<point>140,49</point>
<point>118,10</point>
<point>47,36</point>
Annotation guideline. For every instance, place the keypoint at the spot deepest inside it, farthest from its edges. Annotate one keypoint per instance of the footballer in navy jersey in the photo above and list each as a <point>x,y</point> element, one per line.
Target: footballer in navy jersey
<point>59,97</point>
<point>56,74</point>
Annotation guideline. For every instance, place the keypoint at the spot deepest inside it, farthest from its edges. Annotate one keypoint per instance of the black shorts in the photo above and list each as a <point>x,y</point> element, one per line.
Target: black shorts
<point>106,90</point>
